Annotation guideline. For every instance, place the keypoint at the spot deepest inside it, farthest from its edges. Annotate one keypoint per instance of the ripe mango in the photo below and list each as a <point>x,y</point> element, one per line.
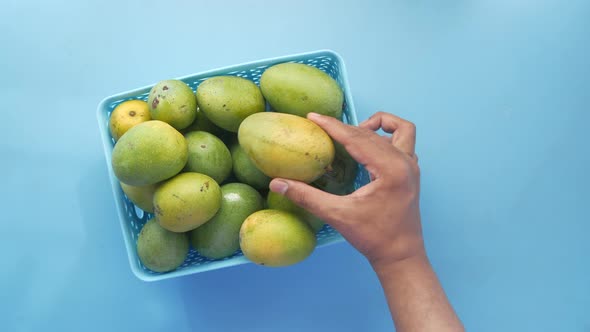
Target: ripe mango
<point>173,102</point>
<point>287,146</point>
<point>126,115</point>
<point>276,238</point>
<point>159,249</point>
<point>148,153</point>
<point>219,237</point>
<point>228,100</point>
<point>298,89</point>
<point>208,155</point>
<point>186,201</point>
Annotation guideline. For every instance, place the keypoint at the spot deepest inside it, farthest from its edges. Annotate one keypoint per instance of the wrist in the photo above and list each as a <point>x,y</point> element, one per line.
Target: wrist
<point>408,246</point>
<point>386,267</point>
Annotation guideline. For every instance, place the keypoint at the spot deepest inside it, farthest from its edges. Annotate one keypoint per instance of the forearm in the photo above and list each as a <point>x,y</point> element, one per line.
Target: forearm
<point>386,208</point>
<point>416,299</point>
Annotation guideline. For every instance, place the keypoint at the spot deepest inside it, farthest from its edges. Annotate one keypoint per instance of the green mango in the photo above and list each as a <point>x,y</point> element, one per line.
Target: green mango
<point>339,180</point>
<point>219,237</point>
<point>279,202</point>
<point>298,89</point>
<point>174,102</point>
<point>245,170</point>
<point>228,100</point>
<point>186,201</point>
<point>202,123</point>
<point>148,153</point>
<point>142,196</point>
<point>161,250</point>
<point>208,155</point>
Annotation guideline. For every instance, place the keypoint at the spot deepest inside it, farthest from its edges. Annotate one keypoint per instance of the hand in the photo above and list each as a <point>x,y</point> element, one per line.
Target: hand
<point>381,219</point>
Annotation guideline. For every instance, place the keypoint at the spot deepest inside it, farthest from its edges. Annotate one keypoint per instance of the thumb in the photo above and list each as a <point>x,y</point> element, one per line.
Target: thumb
<point>322,204</point>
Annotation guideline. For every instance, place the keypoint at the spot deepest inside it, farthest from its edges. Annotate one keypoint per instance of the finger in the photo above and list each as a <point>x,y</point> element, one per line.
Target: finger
<point>404,132</point>
<point>326,206</point>
<point>361,144</point>
<point>376,121</point>
<point>371,123</point>
<point>386,138</point>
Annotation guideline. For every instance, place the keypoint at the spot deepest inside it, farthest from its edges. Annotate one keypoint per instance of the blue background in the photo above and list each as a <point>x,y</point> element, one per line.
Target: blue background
<point>499,91</point>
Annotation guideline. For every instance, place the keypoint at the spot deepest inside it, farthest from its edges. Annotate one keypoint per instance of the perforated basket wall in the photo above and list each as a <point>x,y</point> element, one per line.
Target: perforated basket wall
<point>132,218</point>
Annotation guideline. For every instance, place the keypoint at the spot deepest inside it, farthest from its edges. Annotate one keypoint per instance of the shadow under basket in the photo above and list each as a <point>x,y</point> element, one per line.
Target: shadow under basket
<point>132,218</point>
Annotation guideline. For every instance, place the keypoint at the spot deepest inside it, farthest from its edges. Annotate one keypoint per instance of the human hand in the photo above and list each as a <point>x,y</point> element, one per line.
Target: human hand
<point>382,218</point>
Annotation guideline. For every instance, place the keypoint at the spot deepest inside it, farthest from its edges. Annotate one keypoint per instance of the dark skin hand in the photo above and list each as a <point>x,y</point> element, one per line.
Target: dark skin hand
<point>382,219</point>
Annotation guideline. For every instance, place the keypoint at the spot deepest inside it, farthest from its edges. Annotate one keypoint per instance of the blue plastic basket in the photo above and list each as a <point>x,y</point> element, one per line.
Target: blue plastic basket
<point>132,218</point>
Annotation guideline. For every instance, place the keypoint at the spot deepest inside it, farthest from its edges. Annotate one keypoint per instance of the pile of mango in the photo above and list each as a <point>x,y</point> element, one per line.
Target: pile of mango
<point>201,164</point>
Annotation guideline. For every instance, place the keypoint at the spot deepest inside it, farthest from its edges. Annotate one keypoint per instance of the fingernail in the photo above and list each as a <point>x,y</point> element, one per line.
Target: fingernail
<point>313,116</point>
<point>279,186</point>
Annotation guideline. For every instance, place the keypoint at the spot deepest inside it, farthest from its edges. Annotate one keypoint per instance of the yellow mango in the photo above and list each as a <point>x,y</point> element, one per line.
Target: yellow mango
<point>286,146</point>
<point>276,238</point>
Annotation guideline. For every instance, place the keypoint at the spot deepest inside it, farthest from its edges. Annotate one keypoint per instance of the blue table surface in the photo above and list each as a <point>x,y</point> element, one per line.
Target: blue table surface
<point>499,91</point>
